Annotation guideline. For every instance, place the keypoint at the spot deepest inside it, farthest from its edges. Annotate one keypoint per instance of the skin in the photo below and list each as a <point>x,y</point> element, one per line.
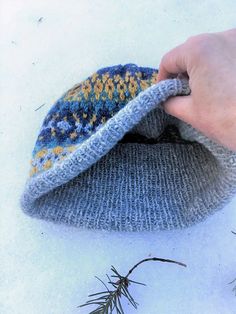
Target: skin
<point>209,61</point>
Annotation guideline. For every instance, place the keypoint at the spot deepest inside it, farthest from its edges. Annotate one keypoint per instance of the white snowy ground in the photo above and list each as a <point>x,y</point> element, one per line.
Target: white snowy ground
<point>47,268</point>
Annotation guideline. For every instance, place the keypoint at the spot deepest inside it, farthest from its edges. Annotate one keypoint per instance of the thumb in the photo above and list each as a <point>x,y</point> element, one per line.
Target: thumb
<point>181,107</point>
<point>173,62</point>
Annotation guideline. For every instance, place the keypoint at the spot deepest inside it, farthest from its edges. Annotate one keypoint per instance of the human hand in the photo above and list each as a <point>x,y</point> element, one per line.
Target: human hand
<point>209,60</point>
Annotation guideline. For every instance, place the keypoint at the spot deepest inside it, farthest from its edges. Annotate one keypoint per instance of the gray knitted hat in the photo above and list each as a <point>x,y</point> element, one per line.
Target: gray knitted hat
<point>109,157</point>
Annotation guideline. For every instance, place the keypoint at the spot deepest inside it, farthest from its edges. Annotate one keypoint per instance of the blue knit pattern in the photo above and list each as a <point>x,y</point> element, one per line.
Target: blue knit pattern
<point>85,108</point>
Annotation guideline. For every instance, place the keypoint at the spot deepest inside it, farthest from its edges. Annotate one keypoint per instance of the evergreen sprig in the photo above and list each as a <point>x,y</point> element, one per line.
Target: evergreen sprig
<point>234,288</point>
<point>110,300</point>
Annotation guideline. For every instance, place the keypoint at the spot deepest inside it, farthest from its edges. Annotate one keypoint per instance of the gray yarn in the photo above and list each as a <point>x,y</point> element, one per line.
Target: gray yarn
<point>110,185</point>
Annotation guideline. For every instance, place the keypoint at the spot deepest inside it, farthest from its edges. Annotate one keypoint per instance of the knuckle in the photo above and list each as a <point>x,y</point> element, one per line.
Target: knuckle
<point>200,45</point>
<point>199,39</point>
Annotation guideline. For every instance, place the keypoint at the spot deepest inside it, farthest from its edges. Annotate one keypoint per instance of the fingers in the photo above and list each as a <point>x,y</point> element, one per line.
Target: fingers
<point>173,62</point>
<point>181,107</point>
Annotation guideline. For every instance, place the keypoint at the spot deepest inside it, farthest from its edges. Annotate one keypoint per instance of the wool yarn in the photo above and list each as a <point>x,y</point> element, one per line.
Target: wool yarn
<point>108,157</point>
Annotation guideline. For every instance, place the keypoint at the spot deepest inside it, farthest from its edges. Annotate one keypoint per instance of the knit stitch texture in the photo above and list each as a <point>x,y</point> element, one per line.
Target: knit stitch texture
<point>108,157</point>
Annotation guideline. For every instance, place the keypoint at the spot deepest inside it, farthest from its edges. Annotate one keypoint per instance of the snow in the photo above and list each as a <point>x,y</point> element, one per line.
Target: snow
<point>46,47</point>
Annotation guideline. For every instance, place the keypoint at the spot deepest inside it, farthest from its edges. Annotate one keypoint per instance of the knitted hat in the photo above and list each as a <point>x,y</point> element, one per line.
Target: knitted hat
<point>109,157</point>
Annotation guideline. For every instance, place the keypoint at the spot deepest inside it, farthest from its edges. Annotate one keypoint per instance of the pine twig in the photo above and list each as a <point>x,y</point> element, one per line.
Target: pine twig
<point>110,300</point>
<point>234,288</point>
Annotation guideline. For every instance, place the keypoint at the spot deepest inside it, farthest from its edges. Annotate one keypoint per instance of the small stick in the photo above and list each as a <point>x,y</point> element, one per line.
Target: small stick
<point>155,259</point>
<point>39,107</point>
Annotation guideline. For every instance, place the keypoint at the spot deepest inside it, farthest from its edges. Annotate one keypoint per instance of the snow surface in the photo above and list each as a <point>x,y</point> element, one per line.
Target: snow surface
<point>45,48</point>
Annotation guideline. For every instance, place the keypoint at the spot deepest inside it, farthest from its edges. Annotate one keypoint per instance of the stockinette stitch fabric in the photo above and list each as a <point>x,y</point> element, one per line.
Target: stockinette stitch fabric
<point>108,157</point>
